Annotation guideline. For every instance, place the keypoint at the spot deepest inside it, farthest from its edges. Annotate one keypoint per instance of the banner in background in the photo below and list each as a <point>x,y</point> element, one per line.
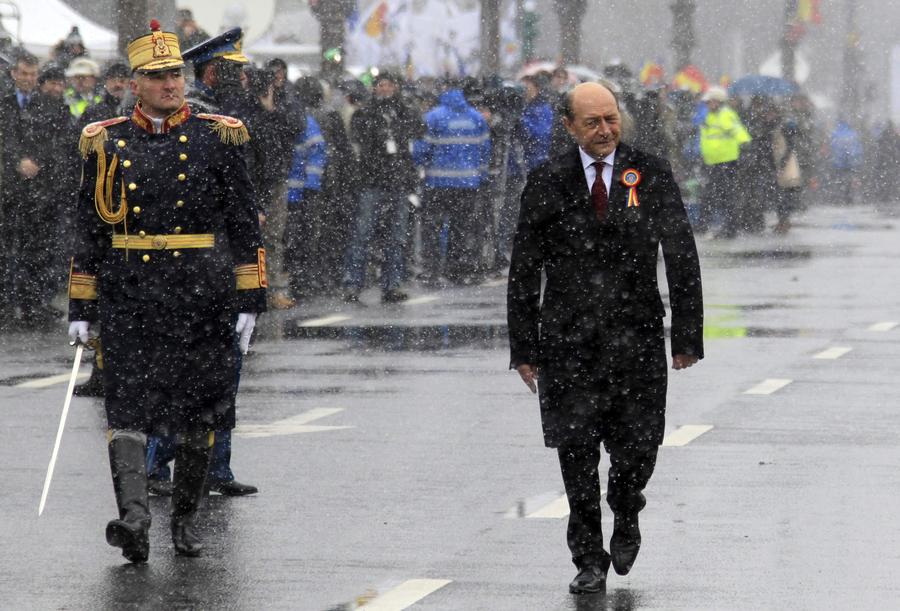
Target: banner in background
<point>424,37</point>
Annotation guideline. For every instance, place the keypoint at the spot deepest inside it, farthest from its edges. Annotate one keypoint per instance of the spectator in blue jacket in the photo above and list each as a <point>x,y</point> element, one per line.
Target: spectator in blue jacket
<point>536,125</point>
<point>455,153</point>
<point>846,161</point>
<point>302,232</point>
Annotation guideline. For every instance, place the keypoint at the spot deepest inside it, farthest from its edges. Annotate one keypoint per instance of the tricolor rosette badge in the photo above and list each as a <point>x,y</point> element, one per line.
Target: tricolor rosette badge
<point>631,178</point>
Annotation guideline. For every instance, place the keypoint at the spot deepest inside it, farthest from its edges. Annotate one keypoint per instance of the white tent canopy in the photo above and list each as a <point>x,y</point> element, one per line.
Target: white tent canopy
<point>39,24</point>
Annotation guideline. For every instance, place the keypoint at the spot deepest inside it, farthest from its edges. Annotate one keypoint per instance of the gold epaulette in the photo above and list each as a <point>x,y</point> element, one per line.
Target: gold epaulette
<point>94,135</point>
<point>230,129</point>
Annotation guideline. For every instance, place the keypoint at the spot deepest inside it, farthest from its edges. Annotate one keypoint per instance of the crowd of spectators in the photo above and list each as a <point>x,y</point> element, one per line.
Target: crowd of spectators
<point>397,181</point>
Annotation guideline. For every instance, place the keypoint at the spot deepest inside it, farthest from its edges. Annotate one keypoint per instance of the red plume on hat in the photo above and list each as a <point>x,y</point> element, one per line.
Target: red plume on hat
<point>154,25</point>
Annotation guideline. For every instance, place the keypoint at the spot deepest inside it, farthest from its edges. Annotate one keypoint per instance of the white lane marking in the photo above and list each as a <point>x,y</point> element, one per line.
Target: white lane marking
<point>324,321</point>
<point>497,282</point>
<point>835,352</point>
<point>883,326</point>
<point>50,381</point>
<point>406,594</point>
<point>685,434</point>
<point>293,425</point>
<point>420,300</point>
<point>768,386</point>
<point>558,509</point>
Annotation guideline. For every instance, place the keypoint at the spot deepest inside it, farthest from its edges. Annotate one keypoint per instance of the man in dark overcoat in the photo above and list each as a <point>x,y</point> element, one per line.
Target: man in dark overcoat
<point>592,221</point>
<point>168,259</point>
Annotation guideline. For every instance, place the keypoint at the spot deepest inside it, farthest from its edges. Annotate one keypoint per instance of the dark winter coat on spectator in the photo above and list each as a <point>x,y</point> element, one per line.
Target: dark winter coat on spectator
<point>385,129</point>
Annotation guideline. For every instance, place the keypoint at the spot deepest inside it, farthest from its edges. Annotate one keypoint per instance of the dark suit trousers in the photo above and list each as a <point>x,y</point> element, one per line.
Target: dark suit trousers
<point>630,470</point>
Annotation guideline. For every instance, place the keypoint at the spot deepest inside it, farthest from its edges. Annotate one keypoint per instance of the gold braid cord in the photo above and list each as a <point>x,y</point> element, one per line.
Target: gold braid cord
<point>229,129</point>
<point>93,139</point>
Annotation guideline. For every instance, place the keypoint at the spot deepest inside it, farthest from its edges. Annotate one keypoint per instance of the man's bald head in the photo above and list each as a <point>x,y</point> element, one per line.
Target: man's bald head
<point>591,115</point>
<point>567,108</point>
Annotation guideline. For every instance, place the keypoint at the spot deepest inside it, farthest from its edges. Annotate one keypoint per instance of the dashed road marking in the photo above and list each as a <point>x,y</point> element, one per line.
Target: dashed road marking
<point>768,386</point>
<point>497,282</point>
<point>50,381</point>
<point>883,326</point>
<point>406,594</point>
<point>322,322</point>
<point>685,434</point>
<point>835,352</point>
<point>420,300</point>
<point>292,426</point>
<point>556,510</point>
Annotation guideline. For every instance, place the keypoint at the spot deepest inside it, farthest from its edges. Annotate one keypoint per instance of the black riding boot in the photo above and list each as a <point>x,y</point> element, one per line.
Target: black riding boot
<point>94,386</point>
<point>129,471</point>
<point>192,453</point>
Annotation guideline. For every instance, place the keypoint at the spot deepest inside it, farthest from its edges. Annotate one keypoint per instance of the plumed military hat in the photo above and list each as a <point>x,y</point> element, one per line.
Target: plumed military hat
<point>155,51</point>
<point>226,46</point>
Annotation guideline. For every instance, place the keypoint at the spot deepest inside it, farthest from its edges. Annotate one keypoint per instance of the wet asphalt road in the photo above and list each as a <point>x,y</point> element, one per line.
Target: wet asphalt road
<point>398,458</point>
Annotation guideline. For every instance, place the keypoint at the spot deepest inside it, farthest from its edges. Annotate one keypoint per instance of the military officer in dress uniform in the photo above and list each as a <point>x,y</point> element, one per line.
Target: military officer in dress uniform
<point>218,63</point>
<point>168,259</point>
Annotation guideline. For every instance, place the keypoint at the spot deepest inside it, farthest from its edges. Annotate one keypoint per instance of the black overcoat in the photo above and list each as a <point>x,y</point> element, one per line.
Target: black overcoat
<point>596,333</point>
<point>167,313</point>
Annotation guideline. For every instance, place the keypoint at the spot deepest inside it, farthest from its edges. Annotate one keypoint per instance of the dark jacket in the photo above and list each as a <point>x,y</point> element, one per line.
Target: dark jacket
<point>109,106</point>
<point>601,311</point>
<point>384,130</point>
<point>167,311</point>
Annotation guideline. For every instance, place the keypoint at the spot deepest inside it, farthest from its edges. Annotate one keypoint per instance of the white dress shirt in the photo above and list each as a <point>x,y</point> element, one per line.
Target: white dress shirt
<point>590,172</point>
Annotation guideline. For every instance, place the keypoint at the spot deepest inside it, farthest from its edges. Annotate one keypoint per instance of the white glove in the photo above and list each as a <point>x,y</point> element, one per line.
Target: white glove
<point>244,327</point>
<point>78,330</point>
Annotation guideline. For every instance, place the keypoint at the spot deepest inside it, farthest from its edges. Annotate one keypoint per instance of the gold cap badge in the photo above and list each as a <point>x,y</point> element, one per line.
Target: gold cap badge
<point>156,51</point>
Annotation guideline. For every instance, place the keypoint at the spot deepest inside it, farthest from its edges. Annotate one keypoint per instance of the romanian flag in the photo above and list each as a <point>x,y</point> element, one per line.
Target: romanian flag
<point>652,74</point>
<point>692,79</point>
<point>376,22</point>
<point>808,11</point>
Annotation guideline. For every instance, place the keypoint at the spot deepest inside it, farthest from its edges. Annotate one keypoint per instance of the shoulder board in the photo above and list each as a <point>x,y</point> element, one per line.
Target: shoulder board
<point>94,135</point>
<point>230,129</point>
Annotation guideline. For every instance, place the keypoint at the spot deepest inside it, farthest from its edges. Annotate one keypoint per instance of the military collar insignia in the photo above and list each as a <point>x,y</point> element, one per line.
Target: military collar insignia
<point>173,120</point>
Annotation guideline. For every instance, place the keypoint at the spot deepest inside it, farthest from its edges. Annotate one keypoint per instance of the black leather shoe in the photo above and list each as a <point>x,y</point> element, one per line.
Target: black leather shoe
<point>131,537</point>
<point>160,487</point>
<point>186,541</point>
<point>590,579</point>
<point>232,488</point>
<point>625,542</point>
<point>393,296</point>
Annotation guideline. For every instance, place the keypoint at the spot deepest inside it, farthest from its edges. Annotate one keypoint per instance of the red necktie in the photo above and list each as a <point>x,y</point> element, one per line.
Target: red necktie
<point>598,192</point>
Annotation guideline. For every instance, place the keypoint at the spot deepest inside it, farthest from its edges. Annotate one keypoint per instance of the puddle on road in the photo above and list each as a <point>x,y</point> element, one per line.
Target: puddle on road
<point>406,338</point>
<point>431,338</point>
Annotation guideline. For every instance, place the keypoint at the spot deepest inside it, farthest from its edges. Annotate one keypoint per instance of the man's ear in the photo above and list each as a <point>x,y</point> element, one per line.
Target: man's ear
<point>568,124</point>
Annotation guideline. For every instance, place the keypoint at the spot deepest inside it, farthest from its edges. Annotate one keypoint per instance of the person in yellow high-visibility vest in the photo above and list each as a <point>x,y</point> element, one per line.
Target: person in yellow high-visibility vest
<point>721,135</point>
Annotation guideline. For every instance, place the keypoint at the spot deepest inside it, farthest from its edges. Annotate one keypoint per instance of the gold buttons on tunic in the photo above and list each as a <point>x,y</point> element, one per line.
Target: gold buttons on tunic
<point>136,209</point>
<point>178,230</point>
<point>183,157</point>
<point>146,258</point>
<point>176,254</point>
<point>120,144</point>
<point>179,203</point>
<point>126,163</point>
<point>182,177</point>
<point>182,138</point>
<point>132,186</point>
<point>142,234</point>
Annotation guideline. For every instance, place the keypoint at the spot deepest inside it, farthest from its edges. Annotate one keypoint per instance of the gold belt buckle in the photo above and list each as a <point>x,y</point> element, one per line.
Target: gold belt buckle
<point>159,242</point>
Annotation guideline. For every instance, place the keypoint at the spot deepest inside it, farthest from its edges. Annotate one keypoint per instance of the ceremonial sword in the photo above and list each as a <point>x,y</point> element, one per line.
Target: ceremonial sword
<point>79,348</point>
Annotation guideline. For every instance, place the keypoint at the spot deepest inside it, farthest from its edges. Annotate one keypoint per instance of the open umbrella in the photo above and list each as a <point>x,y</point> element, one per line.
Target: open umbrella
<point>757,84</point>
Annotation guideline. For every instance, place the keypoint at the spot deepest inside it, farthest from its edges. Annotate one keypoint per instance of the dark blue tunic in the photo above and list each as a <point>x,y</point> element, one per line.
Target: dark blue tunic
<point>167,304</point>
